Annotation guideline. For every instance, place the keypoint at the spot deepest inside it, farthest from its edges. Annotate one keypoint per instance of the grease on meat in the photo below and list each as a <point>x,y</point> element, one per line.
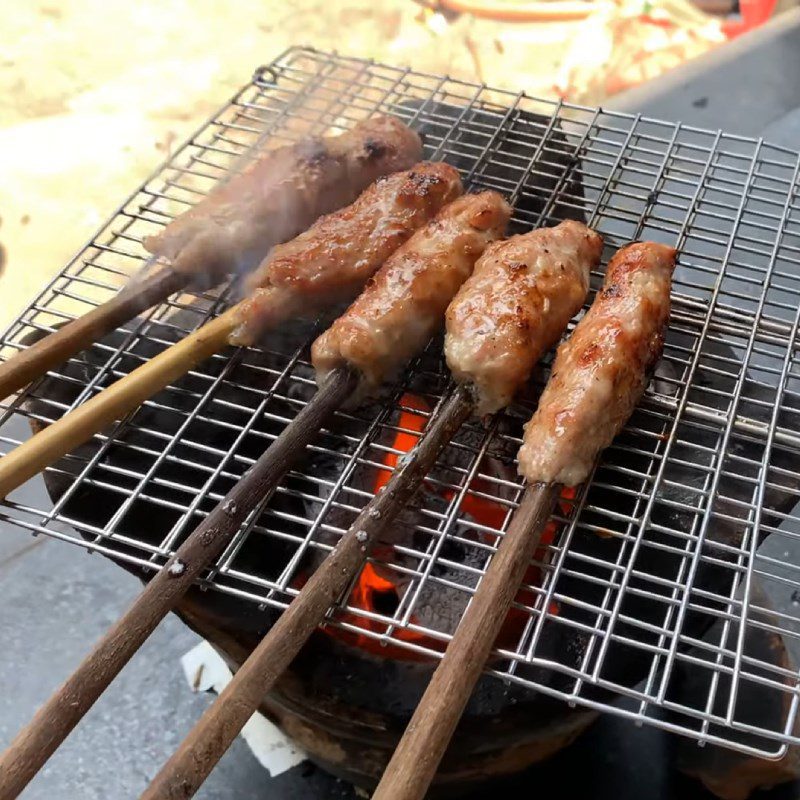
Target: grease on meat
<point>331,261</point>
<point>404,303</point>
<point>281,194</point>
<point>602,370</point>
<point>515,306</point>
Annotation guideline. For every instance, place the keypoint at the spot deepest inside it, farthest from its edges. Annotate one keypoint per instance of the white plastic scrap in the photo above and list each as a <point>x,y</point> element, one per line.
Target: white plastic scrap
<point>206,671</point>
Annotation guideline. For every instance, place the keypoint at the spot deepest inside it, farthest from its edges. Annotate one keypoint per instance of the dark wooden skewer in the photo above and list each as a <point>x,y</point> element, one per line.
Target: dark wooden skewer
<point>191,764</point>
<point>427,736</point>
<point>80,333</point>
<point>31,748</point>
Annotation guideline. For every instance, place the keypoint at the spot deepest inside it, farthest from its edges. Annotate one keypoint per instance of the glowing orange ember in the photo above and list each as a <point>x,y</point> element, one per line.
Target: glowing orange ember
<point>403,441</point>
<point>376,594</point>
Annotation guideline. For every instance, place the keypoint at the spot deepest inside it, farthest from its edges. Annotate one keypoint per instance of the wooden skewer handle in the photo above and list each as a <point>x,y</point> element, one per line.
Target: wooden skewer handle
<point>191,764</point>
<point>73,429</point>
<point>53,722</point>
<point>427,736</point>
<point>77,335</point>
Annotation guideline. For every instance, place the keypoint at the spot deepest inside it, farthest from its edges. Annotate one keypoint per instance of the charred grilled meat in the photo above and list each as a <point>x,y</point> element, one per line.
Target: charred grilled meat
<point>281,194</point>
<point>333,259</point>
<point>515,306</point>
<point>601,372</point>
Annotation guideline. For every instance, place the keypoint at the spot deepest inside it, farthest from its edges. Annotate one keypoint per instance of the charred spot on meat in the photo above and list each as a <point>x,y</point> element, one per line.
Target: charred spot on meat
<point>374,148</point>
<point>279,194</point>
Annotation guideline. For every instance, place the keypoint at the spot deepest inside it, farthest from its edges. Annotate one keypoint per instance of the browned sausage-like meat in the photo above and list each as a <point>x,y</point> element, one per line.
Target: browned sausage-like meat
<point>515,306</point>
<point>602,370</point>
<point>281,194</point>
<point>333,259</point>
<point>404,303</point>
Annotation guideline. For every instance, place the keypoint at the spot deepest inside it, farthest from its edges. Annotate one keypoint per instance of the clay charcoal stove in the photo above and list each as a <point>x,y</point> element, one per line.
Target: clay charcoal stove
<point>655,582</point>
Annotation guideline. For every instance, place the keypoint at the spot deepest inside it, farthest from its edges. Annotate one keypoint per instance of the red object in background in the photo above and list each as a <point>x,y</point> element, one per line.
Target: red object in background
<point>753,13</point>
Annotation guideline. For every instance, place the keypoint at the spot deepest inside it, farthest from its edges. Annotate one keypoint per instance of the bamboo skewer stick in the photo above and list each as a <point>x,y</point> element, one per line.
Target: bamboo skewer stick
<point>427,736</point>
<point>57,439</point>
<point>191,764</point>
<point>53,722</point>
<point>77,335</point>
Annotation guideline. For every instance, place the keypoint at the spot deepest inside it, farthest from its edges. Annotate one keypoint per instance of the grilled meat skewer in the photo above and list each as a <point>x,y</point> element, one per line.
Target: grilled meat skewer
<point>430,186</point>
<point>601,372</point>
<point>281,194</point>
<point>333,259</point>
<point>438,240</point>
<point>411,290</point>
<point>515,306</point>
<point>278,196</point>
<point>612,348</point>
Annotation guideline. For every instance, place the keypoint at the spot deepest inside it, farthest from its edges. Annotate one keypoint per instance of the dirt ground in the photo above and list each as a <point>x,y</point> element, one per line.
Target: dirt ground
<point>93,94</point>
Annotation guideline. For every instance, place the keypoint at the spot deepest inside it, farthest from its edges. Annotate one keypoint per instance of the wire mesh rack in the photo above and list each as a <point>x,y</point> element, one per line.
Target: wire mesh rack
<point>666,565</point>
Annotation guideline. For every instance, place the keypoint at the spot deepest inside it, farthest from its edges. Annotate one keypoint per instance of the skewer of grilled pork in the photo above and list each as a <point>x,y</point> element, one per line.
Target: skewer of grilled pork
<point>280,194</point>
<point>538,282</point>
<point>361,236</point>
<point>515,308</point>
<point>420,278</point>
<point>389,323</point>
<point>599,376</point>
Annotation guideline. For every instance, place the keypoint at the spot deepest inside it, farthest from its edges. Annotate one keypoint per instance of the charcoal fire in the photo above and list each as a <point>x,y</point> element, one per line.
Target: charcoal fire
<point>381,588</point>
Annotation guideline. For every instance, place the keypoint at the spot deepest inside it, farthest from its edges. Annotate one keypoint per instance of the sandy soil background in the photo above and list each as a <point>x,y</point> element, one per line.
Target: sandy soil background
<point>95,93</point>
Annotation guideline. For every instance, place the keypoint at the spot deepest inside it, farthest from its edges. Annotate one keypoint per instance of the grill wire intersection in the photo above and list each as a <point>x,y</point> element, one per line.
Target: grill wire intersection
<point>685,546</point>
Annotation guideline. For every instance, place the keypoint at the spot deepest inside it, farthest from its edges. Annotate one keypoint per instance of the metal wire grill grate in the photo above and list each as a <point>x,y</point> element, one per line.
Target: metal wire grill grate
<point>678,557</point>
